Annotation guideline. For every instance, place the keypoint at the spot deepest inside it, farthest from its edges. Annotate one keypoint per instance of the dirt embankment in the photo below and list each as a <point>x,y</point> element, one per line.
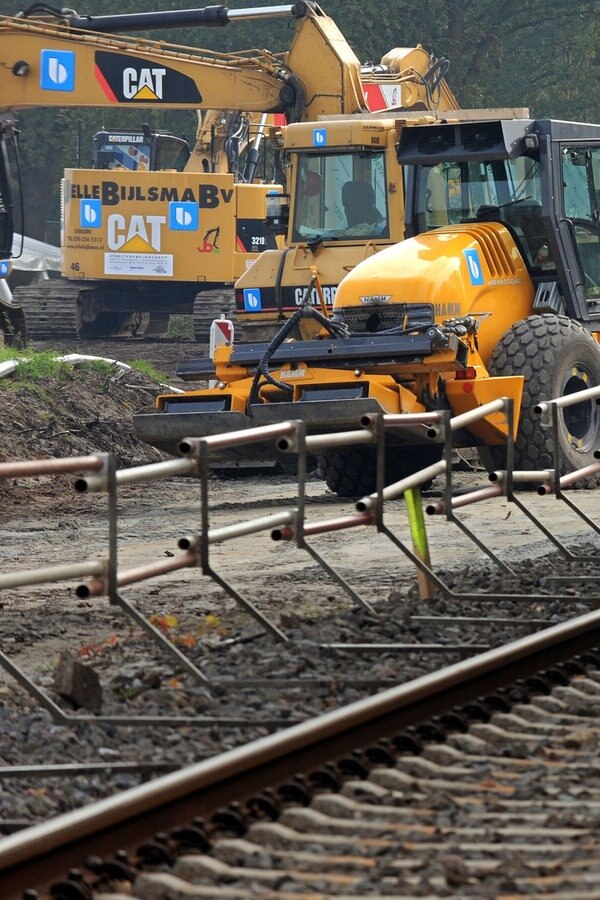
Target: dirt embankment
<point>81,410</point>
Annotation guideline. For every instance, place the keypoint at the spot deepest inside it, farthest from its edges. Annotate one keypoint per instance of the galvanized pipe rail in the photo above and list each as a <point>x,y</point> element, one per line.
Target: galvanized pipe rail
<point>289,524</point>
<point>440,427</point>
<point>107,579</point>
<point>235,782</point>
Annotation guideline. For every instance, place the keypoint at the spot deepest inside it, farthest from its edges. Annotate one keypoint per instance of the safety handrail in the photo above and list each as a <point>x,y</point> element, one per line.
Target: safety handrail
<point>101,476</point>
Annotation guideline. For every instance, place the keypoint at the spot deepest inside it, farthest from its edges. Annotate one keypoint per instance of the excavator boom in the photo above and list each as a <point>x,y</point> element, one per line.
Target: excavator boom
<point>67,62</point>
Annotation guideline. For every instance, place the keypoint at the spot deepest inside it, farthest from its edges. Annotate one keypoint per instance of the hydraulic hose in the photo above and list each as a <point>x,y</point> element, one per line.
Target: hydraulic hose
<point>262,371</point>
<point>293,97</point>
<point>305,311</point>
<point>434,77</point>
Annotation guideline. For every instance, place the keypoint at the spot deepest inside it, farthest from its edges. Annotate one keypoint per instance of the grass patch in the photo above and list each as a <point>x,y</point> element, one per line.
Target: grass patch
<point>36,366</point>
<point>181,328</point>
<point>146,368</point>
<point>43,365</point>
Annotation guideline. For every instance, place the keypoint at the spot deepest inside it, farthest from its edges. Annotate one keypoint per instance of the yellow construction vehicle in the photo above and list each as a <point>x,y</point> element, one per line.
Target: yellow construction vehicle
<point>138,245</point>
<point>346,199</point>
<point>494,293</point>
<point>107,250</point>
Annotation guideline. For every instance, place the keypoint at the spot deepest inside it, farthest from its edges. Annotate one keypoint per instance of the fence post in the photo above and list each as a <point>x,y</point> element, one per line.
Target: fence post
<point>418,533</point>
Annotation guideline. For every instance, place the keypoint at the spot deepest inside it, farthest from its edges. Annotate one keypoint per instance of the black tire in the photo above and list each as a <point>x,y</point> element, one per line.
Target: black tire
<point>353,472</point>
<point>556,356</point>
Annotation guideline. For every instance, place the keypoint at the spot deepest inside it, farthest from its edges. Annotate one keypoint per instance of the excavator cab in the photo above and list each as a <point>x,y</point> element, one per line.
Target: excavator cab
<point>140,150</point>
<point>341,196</point>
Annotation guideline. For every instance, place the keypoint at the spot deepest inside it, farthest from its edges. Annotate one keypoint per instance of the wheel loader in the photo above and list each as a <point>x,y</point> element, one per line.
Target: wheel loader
<point>495,292</point>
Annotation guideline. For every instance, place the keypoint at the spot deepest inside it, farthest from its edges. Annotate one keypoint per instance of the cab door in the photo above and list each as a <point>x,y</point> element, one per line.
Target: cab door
<point>580,175</point>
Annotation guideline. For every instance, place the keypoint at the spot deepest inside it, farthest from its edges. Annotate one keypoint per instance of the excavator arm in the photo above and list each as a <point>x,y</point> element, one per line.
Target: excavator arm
<point>66,61</point>
<point>409,78</point>
<point>222,136</point>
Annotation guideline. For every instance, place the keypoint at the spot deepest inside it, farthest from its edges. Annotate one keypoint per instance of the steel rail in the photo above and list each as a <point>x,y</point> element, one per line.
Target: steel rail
<point>27,468</point>
<point>37,857</point>
<point>544,406</point>
<point>149,472</point>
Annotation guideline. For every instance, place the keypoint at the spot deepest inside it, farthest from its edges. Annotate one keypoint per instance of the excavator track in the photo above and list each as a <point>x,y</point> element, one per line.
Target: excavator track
<point>50,308</point>
<point>55,308</point>
<point>58,308</point>
<point>210,305</point>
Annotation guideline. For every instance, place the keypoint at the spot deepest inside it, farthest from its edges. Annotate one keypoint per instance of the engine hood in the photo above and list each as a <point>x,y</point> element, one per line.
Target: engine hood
<point>473,269</point>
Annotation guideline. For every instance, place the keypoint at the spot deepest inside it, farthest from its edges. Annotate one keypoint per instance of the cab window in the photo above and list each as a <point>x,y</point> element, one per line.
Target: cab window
<point>172,153</point>
<point>581,201</point>
<point>340,196</point>
<point>122,155</point>
<point>506,191</point>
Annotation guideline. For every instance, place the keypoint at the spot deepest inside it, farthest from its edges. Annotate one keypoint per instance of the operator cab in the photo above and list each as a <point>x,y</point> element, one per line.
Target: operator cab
<point>506,191</point>
<point>340,197</point>
<point>140,150</point>
<point>541,179</point>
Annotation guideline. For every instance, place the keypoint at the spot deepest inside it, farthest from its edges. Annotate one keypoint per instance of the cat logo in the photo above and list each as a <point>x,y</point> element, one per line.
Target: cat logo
<point>125,79</point>
<point>139,234</point>
<point>147,84</point>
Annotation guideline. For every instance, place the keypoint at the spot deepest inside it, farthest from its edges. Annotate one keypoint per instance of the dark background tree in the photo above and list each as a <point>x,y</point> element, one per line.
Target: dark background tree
<point>542,54</point>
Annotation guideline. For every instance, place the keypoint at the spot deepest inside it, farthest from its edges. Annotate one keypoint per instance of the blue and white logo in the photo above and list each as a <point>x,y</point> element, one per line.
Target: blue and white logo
<point>474,266</point>
<point>252,300</point>
<point>319,137</point>
<point>5,268</point>
<point>183,216</point>
<point>57,70</point>
<point>90,213</point>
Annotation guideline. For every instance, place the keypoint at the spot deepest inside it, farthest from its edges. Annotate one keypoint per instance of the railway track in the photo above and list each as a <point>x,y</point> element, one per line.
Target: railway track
<point>477,780</point>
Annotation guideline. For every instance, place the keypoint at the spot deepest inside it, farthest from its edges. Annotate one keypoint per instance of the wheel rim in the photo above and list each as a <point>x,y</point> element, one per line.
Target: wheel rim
<point>582,420</point>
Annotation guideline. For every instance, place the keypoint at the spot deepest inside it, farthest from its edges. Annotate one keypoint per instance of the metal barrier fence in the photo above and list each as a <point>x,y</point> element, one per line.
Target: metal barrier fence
<point>103,577</point>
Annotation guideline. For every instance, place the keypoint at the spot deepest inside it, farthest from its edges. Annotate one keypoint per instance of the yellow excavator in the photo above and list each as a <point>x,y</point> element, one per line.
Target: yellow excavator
<point>344,203</point>
<point>139,245</point>
<point>495,292</point>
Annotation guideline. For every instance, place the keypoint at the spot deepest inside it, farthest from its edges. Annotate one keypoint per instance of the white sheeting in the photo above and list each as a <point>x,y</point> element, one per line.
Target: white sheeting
<point>11,365</point>
<point>36,256</point>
